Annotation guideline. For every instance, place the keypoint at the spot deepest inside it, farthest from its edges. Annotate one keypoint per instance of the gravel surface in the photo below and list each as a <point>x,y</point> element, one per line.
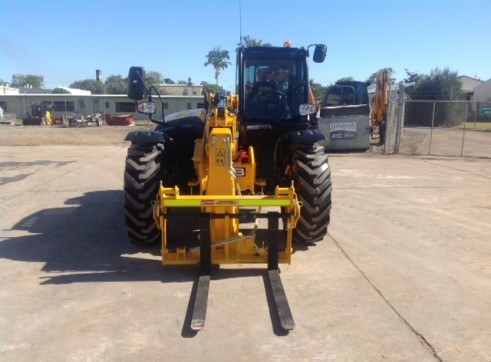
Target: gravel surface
<point>42,135</point>
<point>403,275</point>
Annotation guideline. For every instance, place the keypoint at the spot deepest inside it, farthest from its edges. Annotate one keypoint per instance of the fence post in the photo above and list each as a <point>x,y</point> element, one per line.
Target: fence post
<point>475,114</point>
<point>432,126</point>
<point>400,116</point>
<point>463,134</point>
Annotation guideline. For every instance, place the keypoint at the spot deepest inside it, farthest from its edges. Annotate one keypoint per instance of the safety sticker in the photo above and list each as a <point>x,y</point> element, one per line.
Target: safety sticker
<point>220,203</point>
<point>220,157</point>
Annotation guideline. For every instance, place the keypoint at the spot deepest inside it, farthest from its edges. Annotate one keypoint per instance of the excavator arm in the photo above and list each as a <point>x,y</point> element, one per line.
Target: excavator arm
<point>380,99</point>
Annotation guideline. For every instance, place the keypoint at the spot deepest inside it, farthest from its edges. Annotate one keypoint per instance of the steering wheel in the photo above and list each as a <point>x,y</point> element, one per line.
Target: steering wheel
<point>269,97</point>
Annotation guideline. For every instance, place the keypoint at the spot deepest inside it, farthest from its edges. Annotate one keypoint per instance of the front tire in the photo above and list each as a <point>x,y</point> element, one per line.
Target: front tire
<point>141,183</point>
<point>312,178</point>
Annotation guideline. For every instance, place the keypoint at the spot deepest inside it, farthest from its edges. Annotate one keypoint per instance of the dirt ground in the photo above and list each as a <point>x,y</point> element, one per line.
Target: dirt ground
<point>46,135</point>
<point>403,274</point>
<point>78,136</point>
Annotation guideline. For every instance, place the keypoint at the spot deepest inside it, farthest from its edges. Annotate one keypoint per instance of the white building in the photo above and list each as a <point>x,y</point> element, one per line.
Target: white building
<point>467,85</point>
<point>482,92</point>
<point>112,104</point>
<point>5,89</point>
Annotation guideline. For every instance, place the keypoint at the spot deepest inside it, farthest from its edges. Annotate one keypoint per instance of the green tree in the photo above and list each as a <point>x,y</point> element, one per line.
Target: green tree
<point>116,84</point>
<point>218,58</point>
<point>412,76</point>
<point>92,85</point>
<point>59,90</point>
<point>247,41</point>
<point>390,73</point>
<point>438,85</point>
<point>24,80</point>
<point>169,81</point>
<point>345,79</point>
<point>442,85</point>
<point>153,78</point>
<point>318,90</point>
<point>208,87</point>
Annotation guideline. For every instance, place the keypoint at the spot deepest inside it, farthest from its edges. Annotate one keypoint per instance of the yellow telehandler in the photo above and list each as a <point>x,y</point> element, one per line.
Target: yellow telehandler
<point>202,181</point>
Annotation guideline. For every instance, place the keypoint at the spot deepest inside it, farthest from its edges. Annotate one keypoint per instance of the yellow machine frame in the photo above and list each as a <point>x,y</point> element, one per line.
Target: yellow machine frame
<point>227,182</point>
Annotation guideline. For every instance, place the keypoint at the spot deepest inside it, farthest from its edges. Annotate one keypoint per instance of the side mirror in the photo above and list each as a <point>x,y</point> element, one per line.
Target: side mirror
<point>320,53</point>
<point>136,83</point>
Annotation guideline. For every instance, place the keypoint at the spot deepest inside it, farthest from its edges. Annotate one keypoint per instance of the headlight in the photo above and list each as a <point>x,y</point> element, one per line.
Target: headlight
<point>306,109</point>
<point>146,107</point>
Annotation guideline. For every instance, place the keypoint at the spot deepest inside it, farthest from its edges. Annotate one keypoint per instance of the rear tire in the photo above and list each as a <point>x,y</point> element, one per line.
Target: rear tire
<point>312,177</point>
<point>141,183</point>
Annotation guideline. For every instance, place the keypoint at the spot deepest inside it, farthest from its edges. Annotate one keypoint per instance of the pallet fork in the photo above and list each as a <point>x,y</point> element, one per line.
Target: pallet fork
<point>280,299</point>
<point>235,249</point>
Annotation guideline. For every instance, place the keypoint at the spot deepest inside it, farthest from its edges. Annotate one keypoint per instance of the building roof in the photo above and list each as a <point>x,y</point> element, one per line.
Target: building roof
<point>76,91</point>
<point>468,83</point>
<point>466,76</point>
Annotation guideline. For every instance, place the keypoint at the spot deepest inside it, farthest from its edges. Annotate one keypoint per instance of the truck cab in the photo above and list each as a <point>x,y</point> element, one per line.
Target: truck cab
<point>346,93</point>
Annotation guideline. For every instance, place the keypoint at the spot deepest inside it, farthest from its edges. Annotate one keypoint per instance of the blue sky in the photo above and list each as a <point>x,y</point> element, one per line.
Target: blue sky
<point>66,40</point>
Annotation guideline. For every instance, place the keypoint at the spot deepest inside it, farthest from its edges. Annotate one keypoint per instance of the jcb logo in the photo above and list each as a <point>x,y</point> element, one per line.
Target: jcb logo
<point>240,171</point>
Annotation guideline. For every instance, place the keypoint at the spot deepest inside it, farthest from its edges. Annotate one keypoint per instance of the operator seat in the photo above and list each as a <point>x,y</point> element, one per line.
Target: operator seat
<point>260,87</point>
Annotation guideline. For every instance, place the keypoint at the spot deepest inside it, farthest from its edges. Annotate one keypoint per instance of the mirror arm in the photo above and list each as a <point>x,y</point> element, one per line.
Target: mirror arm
<point>149,91</point>
<point>308,49</point>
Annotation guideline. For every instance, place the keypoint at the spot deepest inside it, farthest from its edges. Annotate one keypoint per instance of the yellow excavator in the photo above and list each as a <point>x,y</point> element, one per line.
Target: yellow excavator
<point>378,105</point>
<point>205,181</point>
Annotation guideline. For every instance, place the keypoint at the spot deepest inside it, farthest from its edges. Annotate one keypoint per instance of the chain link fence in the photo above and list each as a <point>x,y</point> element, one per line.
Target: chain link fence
<point>392,133</point>
<point>438,128</point>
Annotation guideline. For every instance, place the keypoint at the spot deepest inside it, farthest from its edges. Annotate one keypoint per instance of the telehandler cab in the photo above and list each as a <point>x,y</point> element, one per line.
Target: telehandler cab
<point>211,174</point>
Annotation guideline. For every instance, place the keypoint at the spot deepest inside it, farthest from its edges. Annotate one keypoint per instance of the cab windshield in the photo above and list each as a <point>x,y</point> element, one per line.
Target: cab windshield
<point>272,89</point>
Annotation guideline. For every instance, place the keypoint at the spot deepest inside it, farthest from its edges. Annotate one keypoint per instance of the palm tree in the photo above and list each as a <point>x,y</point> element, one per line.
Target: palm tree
<point>247,41</point>
<point>219,59</point>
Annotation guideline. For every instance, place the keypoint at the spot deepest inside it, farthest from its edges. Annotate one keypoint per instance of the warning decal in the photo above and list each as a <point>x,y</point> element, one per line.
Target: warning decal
<point>220,157</point>
<point>205,203</point>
